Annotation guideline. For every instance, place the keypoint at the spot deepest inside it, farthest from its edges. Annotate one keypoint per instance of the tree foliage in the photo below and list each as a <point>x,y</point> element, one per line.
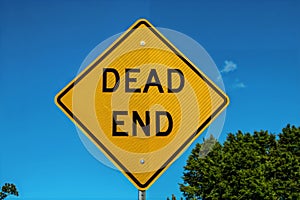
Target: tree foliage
<point>8,189</point>
<point>246,166</point>
<point>173,197</point>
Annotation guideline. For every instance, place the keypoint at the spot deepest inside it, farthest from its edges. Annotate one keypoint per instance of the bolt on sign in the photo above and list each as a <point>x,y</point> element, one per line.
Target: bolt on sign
<point>142,103</point>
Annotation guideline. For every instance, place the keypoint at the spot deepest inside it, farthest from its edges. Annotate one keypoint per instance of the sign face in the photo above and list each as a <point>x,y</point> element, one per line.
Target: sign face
<point>142,103</point>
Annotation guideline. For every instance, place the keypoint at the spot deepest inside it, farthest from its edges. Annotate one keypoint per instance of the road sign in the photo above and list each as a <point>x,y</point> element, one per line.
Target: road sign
<point>142,103</point>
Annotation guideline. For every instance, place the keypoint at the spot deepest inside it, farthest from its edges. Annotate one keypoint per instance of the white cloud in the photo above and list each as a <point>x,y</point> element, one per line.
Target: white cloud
<point>219,78</point>
<point>239,85</point>
<point>229,66</point>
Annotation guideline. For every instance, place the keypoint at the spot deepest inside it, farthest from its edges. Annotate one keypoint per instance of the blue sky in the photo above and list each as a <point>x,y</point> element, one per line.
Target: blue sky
<point>43,43</point>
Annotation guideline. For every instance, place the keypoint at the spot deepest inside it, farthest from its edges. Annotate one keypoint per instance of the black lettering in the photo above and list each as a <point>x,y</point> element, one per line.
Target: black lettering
<point>116,122</point>
<point>168,131</point>
<point>179,88</point>
<point>133,80</point>
<point>156,82</point>
<point>145,126</point>
<point>104,80</point>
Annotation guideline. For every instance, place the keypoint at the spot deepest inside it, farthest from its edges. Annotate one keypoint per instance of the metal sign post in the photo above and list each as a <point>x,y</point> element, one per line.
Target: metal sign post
<point>142,195</point>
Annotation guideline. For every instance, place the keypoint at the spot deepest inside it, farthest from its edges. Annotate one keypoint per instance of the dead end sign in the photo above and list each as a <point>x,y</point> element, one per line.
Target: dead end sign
<point>142,103</point>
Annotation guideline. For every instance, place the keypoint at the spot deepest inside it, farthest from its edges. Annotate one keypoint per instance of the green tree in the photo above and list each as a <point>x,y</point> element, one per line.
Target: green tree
<point>286,164</point>
<point>174,197</point>
<point>246,166</point>
<point>8,189</point>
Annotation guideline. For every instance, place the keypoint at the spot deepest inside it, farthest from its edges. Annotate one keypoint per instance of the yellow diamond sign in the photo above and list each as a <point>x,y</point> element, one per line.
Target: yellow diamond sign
<point>142,103</point>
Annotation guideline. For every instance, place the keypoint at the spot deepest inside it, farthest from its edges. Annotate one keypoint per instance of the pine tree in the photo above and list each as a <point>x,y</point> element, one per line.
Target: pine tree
<point>246,166</point>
